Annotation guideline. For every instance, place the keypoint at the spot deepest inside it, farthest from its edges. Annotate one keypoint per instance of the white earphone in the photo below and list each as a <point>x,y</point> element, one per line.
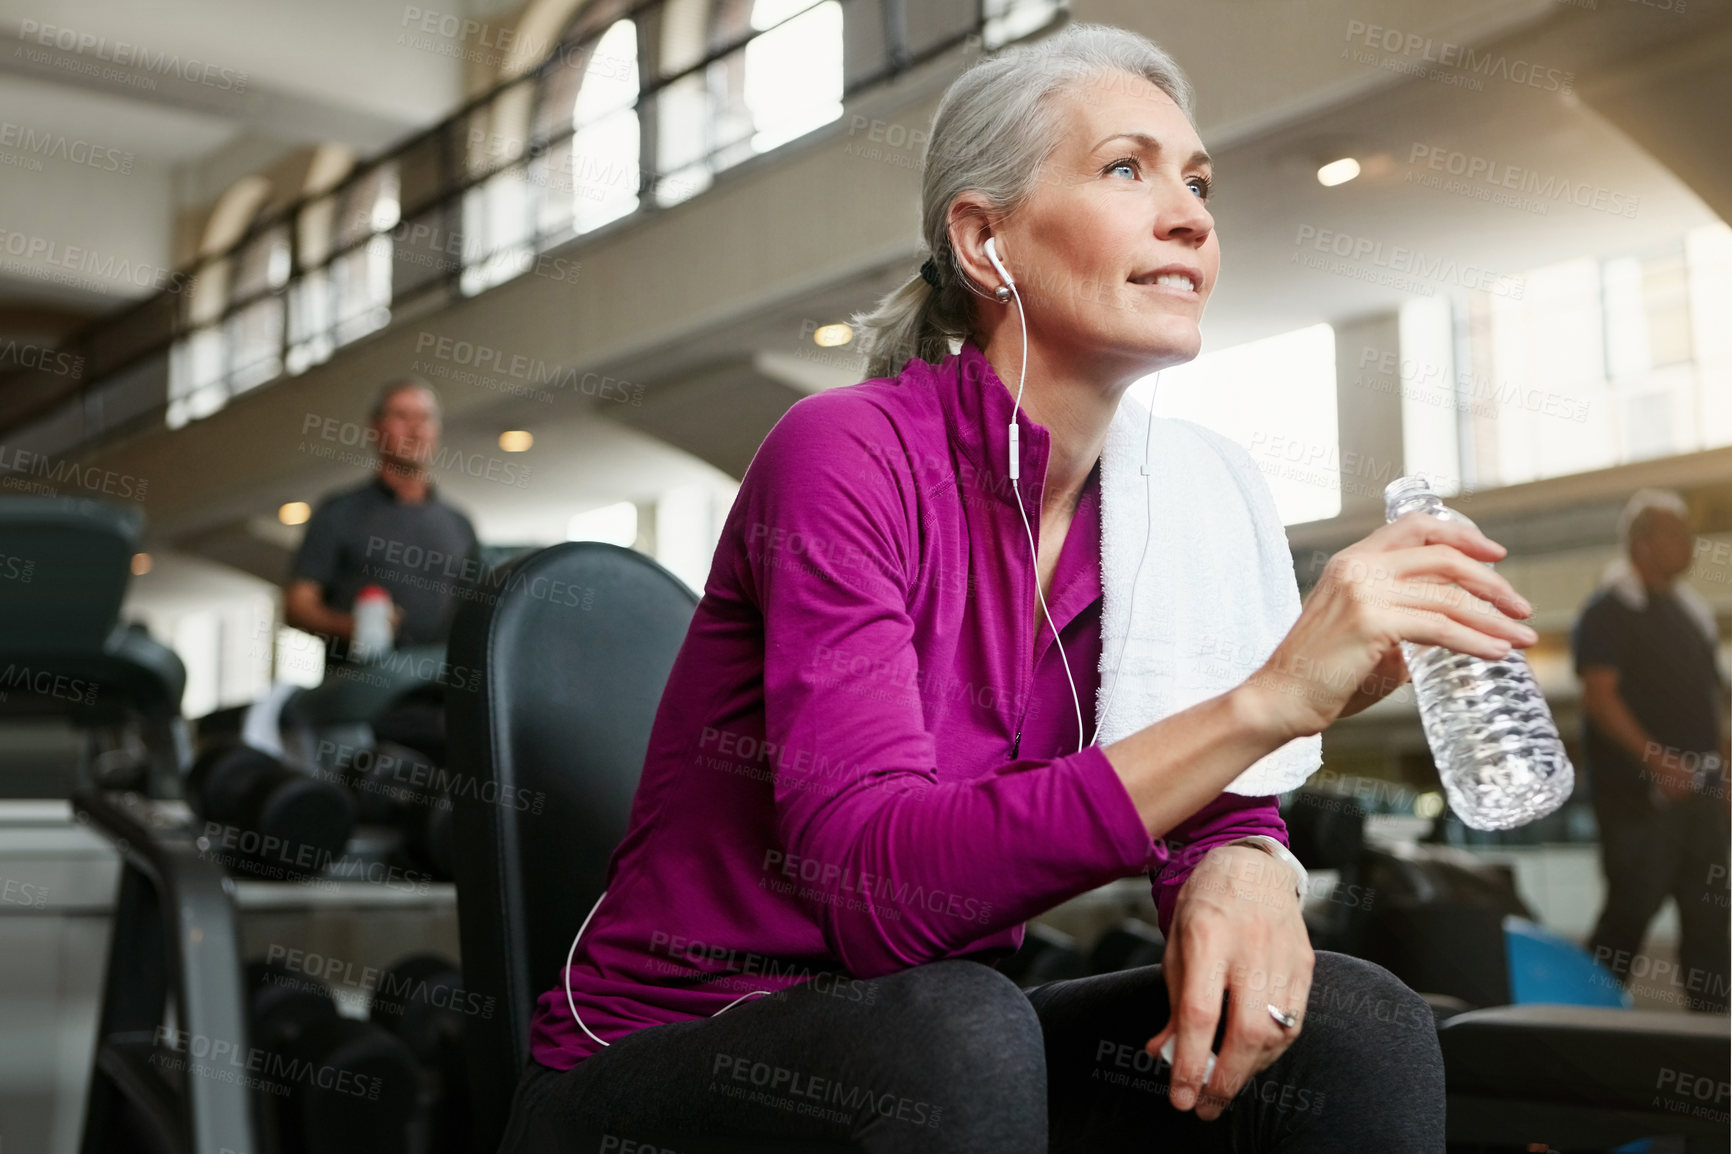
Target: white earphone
<point>992,255</point>
<point>1015,471</point>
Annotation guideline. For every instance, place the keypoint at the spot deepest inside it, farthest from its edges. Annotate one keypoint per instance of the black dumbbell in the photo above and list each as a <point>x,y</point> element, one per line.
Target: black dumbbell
<point>327,1083</point>
<point>392,783</point>
<point>400,787</point>
<point>428,841</point>
<point>276,821</point>
<point>1047,955</point>
<point>353,1087</point>
<point>1127,945</point>
<point>283,1003</point>
<point>421,999</point>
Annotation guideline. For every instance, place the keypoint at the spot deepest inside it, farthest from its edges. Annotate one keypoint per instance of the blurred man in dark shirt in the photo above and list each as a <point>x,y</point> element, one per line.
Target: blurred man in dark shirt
<point>1655,739</point>
<point>394,531</point>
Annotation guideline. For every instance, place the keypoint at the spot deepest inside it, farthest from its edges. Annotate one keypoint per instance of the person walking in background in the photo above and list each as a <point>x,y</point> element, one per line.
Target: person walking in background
<point>396,532</point>
<point>1656,742</point>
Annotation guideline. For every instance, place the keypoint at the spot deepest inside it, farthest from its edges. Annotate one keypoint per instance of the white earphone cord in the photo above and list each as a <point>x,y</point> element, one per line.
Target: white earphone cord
<point>1015,472</point>
<point>571,1003</point>
<point>1076,699</point>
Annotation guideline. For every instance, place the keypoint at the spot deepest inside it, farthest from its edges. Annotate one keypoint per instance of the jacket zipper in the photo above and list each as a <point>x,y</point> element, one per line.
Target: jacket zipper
<point>1022,714</point>
<point>1027,686</point>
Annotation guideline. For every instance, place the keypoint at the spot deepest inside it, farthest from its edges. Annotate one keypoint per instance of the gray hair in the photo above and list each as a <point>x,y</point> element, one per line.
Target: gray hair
<point>1637,519</point>
<point>392,388</point>
<point>994,129</point>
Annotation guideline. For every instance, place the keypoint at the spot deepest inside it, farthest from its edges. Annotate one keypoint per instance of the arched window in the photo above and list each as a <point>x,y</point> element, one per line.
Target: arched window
<point>605,139</point>
<point>498,240</point>
<point>589,173</point>
<point>311,340</point>
<point>1008,20</point>
<point>310,296</point>
<point>793,74</point>
<point>253,332</point>
<point>276,299</point>
<point>200,362</point>
<point>787,81</point>
<point>682,108</point>
<point>360,278</point>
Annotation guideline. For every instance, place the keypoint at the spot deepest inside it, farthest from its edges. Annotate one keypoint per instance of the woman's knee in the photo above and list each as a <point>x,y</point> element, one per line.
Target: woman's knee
<point>967,1042</point>
<point>959,994</point>
<point>958,1011</point>
<point>1359,1007</point>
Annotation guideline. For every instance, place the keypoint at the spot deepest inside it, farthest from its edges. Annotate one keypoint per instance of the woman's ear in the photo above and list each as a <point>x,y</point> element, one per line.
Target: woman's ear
<point>968,225</point>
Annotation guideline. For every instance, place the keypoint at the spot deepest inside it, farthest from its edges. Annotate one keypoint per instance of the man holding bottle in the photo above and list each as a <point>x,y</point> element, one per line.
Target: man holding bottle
<point>393,532</point>
<point>1655,738</point>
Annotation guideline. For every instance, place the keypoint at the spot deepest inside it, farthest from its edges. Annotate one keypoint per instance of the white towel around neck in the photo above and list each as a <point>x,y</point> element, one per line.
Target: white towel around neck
<point>1217,591</point>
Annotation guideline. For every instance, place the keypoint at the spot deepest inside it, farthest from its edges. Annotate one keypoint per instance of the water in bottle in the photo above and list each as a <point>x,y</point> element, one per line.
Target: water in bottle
<point>1496,746</point>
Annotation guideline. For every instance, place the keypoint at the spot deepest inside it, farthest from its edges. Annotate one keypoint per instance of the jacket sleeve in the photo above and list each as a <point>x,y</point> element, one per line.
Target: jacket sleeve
<point>1227,818</point>
<point>902,860</point>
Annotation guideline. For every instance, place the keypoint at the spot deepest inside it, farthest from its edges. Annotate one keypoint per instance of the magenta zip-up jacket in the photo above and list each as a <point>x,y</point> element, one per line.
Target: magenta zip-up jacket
<point>865,757</point>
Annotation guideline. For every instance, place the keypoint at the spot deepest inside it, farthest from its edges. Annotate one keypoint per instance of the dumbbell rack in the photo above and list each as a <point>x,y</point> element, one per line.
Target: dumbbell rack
<point>174,931</point>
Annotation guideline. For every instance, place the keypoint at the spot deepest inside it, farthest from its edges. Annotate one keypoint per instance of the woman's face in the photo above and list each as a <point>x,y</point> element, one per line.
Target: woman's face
<point>1115,252</point>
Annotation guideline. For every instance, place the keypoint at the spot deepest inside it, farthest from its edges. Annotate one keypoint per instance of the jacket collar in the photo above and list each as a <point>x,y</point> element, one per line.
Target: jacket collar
<point>977,410</point>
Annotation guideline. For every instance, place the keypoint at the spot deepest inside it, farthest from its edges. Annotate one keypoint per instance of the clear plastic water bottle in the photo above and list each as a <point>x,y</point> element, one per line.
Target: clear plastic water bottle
<point>1491,733</point>
<point>373,635</point>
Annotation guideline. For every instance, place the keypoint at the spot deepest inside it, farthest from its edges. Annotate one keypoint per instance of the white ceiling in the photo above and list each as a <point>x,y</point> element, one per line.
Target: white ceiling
<point>104,74</point>
<point>321,51</point>
<point>150,132</point>
<point>1269,193</point>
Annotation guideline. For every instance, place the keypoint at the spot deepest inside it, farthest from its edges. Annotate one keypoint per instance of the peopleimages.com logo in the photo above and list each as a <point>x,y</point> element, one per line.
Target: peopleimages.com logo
<point>123,54</point>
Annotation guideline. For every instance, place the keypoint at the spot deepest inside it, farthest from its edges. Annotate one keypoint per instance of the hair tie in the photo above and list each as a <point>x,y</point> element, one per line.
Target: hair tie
<point>929,272</point>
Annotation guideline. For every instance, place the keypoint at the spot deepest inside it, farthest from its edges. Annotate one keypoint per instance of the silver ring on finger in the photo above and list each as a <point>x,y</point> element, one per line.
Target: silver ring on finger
<point>1286,1019</point>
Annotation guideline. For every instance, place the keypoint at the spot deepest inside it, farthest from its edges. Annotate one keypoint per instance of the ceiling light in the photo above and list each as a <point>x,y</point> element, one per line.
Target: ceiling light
<point>1338,172</point>
<point>829,336</point>
<point>295,513</point>
<point>516,440</point>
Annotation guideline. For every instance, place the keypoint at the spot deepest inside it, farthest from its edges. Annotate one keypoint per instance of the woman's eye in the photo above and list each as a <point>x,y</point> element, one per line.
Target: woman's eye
<point>1126,163</point>
<point>1202,186</point>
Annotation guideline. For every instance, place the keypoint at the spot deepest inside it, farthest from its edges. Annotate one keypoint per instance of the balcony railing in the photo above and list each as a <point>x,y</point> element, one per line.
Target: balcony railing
<point>611,124</point>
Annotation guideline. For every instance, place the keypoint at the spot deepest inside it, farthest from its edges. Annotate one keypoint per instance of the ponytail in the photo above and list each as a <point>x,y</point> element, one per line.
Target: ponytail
<point>909,322</point>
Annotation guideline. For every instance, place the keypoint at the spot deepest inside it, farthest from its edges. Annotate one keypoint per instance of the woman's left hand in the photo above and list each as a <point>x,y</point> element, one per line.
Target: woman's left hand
<point>1236,928</point>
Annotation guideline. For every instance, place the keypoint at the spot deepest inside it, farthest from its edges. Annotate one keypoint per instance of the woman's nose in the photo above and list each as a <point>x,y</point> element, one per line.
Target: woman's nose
<point>1182,212</point>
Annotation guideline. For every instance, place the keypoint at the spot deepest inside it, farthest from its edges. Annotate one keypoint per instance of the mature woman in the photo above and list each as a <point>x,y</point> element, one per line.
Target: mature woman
<point>865,772</point>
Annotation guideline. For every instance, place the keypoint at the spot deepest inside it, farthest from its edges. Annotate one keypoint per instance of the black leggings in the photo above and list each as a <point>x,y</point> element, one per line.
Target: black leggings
<point>951,1056</point>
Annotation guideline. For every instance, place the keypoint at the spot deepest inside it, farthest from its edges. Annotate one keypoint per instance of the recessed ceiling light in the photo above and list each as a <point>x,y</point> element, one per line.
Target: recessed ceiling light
<point>1338,172</point>
<point>829,336</point>
<point>295,513</point>
<point>516,440</point>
